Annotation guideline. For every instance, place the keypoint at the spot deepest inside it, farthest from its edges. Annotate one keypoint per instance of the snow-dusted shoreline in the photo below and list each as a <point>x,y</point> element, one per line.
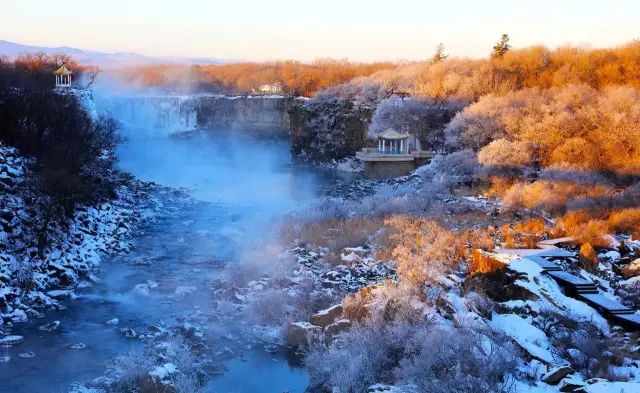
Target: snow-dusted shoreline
<point>30,283</point>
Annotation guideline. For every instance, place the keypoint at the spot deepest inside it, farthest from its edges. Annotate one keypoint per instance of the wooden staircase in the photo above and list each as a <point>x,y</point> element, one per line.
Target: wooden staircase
<point>588,292</point>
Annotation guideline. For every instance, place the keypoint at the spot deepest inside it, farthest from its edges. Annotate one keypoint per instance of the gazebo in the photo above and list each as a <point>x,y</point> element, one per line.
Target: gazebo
<point>63,76</point>
<point>391,141</point>
<point>397,155</point>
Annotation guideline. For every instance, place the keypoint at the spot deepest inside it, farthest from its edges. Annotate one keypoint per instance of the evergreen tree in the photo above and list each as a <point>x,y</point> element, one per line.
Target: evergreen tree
<point>439,55</point>
<point>501,47</point>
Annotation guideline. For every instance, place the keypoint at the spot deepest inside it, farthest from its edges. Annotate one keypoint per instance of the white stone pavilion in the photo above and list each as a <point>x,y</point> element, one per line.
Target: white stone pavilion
<point>397,154</point>
<point>63,76</point>
<point>391,141</point>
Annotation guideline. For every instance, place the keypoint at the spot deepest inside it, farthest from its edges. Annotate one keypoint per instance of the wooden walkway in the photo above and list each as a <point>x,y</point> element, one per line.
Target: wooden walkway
<point>588,292</point>
<point>549,252</point>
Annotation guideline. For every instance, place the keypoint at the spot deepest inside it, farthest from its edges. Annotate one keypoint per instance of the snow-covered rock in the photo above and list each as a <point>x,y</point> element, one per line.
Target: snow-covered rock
<point>529,337</point>
<point>164,371</point>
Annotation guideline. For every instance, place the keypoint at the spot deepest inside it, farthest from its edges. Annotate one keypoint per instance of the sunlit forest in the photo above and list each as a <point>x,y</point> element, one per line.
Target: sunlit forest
<point>452,76</point>
<point>241,230</point>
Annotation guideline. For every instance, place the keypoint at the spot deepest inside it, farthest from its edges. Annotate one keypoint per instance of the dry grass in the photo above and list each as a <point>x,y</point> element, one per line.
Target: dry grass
<point>585,227</point>
<point>551,196</point>
<point>422,249</point>
<point>334,234</point>
<point>523,234</point>
<point>354,305</point>
<point>625,221</point>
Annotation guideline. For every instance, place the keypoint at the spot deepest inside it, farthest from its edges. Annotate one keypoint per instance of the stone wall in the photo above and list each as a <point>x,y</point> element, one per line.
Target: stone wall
<point>267,116</point>
<point>388,169</point>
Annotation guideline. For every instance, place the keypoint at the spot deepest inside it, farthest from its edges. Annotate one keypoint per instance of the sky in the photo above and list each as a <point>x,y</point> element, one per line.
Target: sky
<point>358,30</point>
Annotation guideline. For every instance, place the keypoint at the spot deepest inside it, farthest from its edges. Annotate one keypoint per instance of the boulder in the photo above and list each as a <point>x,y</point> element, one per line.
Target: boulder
<point>326,317</point>
<point>299,334</point>
<point>556,374</point>
<point>11,340</point>
<point>49,327</point>
<point>588,256</point>
<point>337,327</point>
<point>632,269</point>
<point>486,262</point>
<point>128,333</point>
<point>570,385</point>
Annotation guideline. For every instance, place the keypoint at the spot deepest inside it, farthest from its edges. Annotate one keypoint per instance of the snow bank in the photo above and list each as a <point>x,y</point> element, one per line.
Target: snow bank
<point>529,337</point>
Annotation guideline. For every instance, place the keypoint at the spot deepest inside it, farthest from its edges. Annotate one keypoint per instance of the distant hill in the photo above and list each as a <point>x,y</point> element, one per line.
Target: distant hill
<point>103,59</point>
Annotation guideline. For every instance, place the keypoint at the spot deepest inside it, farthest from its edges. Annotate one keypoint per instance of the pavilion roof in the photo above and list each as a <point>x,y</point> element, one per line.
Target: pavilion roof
<point>63,70</point>
<point>390,133</point>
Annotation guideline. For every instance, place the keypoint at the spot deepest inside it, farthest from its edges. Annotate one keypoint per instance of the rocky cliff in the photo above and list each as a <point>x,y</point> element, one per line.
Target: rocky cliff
<point>321,129</point>
<point>327,128</point>
<point>266,116</point>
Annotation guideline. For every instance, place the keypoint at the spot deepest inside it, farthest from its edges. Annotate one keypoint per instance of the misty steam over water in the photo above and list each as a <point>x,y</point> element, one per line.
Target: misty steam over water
<point>239,185</point>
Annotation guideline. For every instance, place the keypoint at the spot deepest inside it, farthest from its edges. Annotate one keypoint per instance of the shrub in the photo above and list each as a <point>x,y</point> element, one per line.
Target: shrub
<point>552,196</point>
<point>280,305</point>
<point>582,226</point>
<point>448,360</point>
<point>354,305</point>
<point>593,231</point>
<point>178,351</point>
<point>577,152</point>
<point>460,167</point>
<point>424,118</point>
<point>188,383</point>
<point>510,155</point>
<point>269,308</point>
<point>131,368</point>
<point>524,234</point>
<point>362,357</point>
<point>625,220</point>
<point>332,233</point>
<point>422,249</point>
<point>269,260</point>
<point>588,256</point>
<point>424,356</point>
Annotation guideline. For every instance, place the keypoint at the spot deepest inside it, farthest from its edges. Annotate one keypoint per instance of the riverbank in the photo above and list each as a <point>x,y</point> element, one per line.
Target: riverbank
<point>33,283</point>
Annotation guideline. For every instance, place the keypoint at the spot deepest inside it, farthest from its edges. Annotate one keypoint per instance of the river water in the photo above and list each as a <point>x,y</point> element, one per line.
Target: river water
<point>239,186</point>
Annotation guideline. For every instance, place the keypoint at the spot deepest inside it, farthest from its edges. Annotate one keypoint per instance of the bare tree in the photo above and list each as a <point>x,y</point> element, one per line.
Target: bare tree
<point>90,74</point>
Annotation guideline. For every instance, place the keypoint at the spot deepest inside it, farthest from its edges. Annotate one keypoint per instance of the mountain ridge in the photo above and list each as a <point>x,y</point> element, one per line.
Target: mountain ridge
<point>103,59</point>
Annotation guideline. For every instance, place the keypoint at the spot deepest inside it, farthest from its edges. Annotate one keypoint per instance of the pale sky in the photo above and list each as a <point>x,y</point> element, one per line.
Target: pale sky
<point>304,29</point>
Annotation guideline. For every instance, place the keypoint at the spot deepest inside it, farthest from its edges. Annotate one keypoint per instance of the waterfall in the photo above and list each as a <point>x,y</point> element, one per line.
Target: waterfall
<point>150,115</point>
<point>163,115</point>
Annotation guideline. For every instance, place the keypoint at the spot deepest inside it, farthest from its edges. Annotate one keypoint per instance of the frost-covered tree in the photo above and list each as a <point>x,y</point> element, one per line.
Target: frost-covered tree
<point>503,153</point>
<point>424,118</point>
<point>439,55</point>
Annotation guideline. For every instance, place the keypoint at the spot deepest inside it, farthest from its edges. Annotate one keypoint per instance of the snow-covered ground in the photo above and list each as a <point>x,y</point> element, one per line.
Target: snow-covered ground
<point>32,282</point>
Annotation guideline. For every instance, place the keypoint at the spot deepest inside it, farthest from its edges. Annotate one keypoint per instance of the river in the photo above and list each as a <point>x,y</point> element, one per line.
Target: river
<point>239,185</point>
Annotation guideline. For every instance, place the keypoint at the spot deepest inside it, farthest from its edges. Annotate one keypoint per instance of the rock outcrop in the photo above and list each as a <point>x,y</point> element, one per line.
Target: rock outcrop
<point>323,325</point>
<point>301,334</point>
<point>326,317</point>
<point>632,269</point>
<point>324,129</point>
<point>486,262</point>
<point>555,375</point>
